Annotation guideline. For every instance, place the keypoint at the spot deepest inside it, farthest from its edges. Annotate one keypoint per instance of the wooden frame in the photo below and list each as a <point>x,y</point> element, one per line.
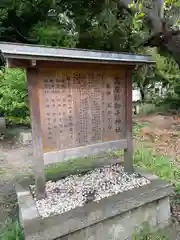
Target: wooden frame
<point>38,160</point>
<point>128,152</point>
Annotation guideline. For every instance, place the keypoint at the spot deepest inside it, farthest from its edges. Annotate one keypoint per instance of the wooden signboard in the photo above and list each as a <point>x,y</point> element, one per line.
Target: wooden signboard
<point>80,102</point>
<point>81,107</point>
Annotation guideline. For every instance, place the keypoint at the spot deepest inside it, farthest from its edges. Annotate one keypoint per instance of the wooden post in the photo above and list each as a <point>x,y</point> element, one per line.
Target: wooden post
<point>38,159</point>
<point>128,153</point>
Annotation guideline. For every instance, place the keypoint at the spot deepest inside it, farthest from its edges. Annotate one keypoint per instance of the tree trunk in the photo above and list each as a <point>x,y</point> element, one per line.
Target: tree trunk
<point>163,37</point>
<point>142,94</point>
<point>2,60</point>
<point>166,44</point>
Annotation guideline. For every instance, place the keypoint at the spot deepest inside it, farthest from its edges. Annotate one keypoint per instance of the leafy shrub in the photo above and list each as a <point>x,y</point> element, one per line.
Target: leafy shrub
<point>13,96</point>
<point>170,101</point>
<point>61,32</point>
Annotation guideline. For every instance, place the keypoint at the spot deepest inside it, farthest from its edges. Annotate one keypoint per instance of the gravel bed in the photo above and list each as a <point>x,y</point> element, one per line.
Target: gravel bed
<point>77,190</point>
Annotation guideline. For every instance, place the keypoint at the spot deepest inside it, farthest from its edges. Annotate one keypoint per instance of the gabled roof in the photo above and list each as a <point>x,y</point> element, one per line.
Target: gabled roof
<point>25,51</point>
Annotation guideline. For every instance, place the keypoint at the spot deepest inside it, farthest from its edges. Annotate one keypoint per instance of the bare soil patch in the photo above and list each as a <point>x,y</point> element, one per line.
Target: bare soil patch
<point>14,160</point>
<point>162,133</point>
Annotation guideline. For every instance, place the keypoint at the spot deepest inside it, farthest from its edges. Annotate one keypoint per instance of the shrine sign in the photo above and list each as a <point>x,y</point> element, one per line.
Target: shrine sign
<point>80,102</point>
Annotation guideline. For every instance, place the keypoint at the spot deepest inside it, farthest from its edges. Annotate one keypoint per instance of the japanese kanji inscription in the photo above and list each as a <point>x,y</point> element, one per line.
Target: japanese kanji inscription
<point>81,108</point>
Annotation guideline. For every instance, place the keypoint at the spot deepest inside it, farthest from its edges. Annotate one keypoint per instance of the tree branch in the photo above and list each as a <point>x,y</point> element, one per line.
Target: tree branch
<point>23,38</point>
<point>151,14</point>
<point>162,35</point>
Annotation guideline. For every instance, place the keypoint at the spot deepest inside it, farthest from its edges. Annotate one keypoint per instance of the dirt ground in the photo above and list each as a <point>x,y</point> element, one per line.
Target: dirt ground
<point>162,133</point>
<point>159,132</point>
<point>14,160</point>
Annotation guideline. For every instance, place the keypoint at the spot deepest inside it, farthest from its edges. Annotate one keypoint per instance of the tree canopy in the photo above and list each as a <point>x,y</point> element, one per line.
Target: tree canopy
<point>141,26</point>
<point>98,24</point>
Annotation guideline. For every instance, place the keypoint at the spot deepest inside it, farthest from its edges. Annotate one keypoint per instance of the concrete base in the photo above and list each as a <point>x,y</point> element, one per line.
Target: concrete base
<point>114,218</point>
<point>19,135</point>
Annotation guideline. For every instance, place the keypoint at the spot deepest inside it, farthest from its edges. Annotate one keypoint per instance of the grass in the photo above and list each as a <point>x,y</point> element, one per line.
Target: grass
<point>74,166</point>
<point>11,231</point>
<point>147,109</point>
<point>144,159</point>
<point>149,160</point>
<point>146,233</point>
<point>2,171</point>
<point>80,165</point>
<point>137,127</point>
<point>158,165</point>
<point>150,108</point>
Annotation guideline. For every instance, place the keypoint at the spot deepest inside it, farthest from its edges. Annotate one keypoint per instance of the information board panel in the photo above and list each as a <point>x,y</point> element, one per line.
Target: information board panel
<point>81,107</point>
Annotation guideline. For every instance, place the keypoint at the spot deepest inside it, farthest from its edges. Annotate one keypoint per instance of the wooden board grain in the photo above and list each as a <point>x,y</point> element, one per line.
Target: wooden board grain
<point>128,153</point>
<point>81,107</point>
<point>38,155</point>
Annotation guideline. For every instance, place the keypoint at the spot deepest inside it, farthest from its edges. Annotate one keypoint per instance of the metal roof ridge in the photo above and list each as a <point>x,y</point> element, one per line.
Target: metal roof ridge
<point>78,49</point>
<point>29,50</point>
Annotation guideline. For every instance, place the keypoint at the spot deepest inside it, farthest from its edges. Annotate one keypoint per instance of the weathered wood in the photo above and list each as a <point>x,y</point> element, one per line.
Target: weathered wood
<point>18,63</point>
<point>128,153</point>
<point>79,65</point>
<point>2,59</point>
<point>38,160</point>
<point>80,107</point>
<point>47,64</point>
<point>84,151</point>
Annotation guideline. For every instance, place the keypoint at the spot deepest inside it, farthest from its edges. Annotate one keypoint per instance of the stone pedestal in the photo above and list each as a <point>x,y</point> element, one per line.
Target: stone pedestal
<point>117,217</point>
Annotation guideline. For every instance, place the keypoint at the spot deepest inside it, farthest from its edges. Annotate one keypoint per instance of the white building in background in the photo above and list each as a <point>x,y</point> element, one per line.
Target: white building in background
<point>136,95</point>
<point>159,89</point>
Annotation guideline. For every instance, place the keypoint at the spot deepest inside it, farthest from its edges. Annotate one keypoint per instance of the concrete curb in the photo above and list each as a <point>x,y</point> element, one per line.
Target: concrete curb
<point>60,225</point>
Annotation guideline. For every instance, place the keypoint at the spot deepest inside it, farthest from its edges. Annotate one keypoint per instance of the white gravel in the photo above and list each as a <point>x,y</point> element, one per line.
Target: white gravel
<point>77,190</point>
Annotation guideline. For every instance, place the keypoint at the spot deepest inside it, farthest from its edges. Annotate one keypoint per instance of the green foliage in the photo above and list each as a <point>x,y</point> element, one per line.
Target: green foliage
<point>102,24</point>
<point>165,71</point>
<point>93,24</point>
<point>170,101</point>
<point>147,233</point>
<point>143,78</point>
<point>19,18</point>
<point>166,67</point>
<point>158,165</point>
<point>79,165</point>
<point>59,32</point>
<point>143,158</point>
<point>11,231</point>
<point>13,96</point>
<point>168,72</point>
<point>74,166</point>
